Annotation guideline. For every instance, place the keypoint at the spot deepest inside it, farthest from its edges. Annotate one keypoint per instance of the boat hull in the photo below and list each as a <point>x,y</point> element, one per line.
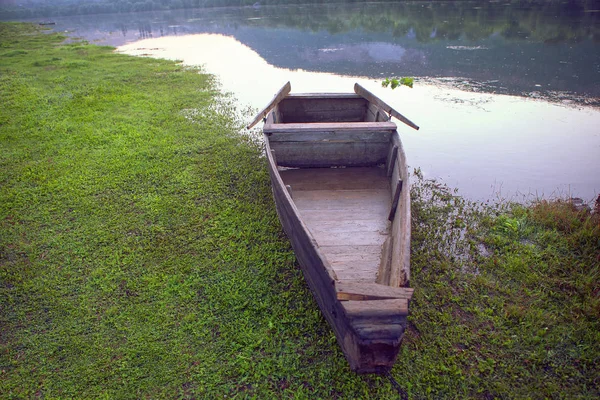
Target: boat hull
<point>368,328</point>
<point>341,189</point>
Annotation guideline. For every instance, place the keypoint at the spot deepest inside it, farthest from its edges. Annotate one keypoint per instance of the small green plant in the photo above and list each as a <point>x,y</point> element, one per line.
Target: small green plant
<point>395,82</point>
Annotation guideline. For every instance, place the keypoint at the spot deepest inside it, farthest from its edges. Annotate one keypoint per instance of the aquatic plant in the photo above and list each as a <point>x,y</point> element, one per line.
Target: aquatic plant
<point>395,82</point>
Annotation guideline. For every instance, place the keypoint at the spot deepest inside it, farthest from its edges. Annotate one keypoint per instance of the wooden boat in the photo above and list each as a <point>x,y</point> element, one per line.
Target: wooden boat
<point>340,184</point>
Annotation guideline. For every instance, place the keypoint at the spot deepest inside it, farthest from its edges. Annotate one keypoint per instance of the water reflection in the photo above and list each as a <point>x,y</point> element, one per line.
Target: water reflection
<point>486,145</point>
<point>518,48</point>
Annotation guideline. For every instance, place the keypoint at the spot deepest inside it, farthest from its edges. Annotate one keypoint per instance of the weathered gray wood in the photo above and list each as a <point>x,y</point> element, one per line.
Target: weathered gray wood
<point>353,263</point>
<point>327,154</point>
<point>343,215</point>
<point>356,178</point>
<point>276,99</point>
<point>356,226</point>
<point>369,328</point>
<point>396,199</point>
<point>376,114</point>
<point>385,262</point>
<point>355,271</point>
<point>381,136</point>
<point>372,113</point>
<point>330,127</point>
<point>300,110</point>
<point>351,239</point>
<point>400,262</point>
<point>311,96</point>
<point>351,206</point>
<point>371,291</point>
<point>392,308</point>
<point>274,156</point>
<point>277,118</point>
<point>351,201</point>
<point>349,254</point>
<point>391,161</point>
<point>387,108</point>
<point>352,144</point>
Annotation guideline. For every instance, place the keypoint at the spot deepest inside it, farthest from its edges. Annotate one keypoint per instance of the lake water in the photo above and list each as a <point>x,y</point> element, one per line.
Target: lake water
<point>471,57</point>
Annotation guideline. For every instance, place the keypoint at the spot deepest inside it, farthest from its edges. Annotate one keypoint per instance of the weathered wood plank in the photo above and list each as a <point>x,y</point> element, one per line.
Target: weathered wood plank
<point>349,200</point>
<point>384,270</point>
<point>332,136</point>
<point>359,266</point>
<point>356,226</point>
<point>391,330</point>
<point>376,100</point>
<point>351,254</point>
<point>330,127</point>
<point>372,113</point>
<point>349,238</point>
<point>343,215</point>
<point>376,114</point>
<point>307,154</point>
<point>400,255</point>
<point>356,263</point>
<point>353,178</point>
<point>371,291</point>
<point>395,200</point>
<point>280,95</point>
<point>390,309</point>
<point>354,276</point>
<point>274,157</point>
<point>323,110</point>
<point>311,96</point>
<point>382,116</point>
<point>356,271</point>
<point>391,161</point>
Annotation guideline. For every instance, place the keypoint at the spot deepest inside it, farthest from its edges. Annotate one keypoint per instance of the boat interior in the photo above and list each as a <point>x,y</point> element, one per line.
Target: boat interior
<point>338,157</point>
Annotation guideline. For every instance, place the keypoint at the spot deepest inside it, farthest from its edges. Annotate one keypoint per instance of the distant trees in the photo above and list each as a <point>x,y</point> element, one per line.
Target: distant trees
<point>41,8</point>
<point>532,20</point>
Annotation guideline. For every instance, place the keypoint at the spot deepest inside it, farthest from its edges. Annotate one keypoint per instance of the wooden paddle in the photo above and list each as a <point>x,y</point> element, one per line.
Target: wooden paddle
<point>284,91</point>
<point>376,100</point>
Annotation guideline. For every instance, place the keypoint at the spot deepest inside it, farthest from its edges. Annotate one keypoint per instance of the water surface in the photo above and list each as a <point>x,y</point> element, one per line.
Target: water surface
<point>485,144</point>
<point>550,49</point>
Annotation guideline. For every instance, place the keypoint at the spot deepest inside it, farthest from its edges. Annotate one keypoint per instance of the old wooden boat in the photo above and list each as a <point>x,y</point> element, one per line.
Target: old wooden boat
<point>340,184</point>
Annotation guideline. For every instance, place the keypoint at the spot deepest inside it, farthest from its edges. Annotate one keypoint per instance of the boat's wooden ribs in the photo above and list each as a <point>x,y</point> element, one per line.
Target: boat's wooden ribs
<point>391,161</point>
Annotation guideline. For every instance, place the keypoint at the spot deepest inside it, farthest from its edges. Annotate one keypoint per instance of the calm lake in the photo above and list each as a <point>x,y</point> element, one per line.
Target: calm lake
<point>507,94</point>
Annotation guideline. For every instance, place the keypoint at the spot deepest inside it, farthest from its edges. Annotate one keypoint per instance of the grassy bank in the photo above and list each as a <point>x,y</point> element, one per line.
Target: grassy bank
<point>141,256</point>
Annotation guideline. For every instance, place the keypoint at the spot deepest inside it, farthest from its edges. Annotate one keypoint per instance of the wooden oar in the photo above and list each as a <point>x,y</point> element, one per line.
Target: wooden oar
<point>376,100</point>
<point>284,91</point>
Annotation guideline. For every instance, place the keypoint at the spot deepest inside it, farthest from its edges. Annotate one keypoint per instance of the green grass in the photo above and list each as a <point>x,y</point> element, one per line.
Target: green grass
<point>141,256</point>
